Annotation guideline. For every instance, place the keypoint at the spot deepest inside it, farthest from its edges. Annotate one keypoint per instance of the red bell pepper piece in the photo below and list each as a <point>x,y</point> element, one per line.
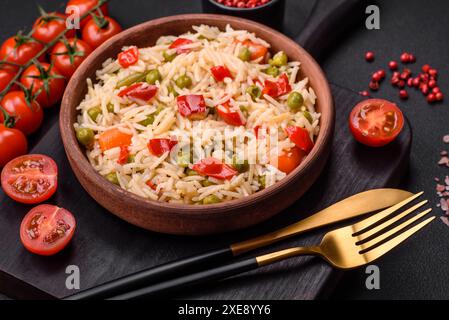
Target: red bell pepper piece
<point>129,57</point>
<point>192,106</point>
<point>230,116</point>
<point>179,44</point>
<point>158,147</point>
<point>277,89</point>
<point>220,73</point>
<point>215,168</point>
<point>300,137</point>
<point>124,155</point>
<point>140,91</point>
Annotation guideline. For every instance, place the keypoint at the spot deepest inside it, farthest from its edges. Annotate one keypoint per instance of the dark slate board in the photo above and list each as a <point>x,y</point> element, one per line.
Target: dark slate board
<point>106,248</point>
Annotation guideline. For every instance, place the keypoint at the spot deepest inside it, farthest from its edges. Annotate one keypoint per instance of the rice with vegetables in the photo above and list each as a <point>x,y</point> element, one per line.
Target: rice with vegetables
<point>201,118</point>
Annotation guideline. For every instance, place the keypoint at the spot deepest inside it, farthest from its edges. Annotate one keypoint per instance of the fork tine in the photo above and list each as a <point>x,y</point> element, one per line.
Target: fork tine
<point>364,224</point>
<point>393,231</point>
<point>365,235</point>
<point>376,253</point>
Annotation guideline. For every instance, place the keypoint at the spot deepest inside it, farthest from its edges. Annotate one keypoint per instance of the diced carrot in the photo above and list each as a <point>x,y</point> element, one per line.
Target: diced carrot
<point>114,138</point>
<point>290,160</point>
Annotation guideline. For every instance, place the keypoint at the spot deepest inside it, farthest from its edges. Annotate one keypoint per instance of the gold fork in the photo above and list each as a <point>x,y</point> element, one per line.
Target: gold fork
<point>345,248</point>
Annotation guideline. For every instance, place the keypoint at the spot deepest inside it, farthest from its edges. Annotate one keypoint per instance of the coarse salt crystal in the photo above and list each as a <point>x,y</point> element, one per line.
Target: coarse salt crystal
<point>445,220</point>
<point>444,205</point>
<point>446,138</point>
<point>443,161</point>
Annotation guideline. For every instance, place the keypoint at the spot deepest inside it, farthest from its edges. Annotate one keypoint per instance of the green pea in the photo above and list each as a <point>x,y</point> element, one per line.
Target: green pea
<point>94,113</point>
<point>172,90</point>
<point>110,107</point>
<point>254,92</point>
<point>148,121</point>
<point>191,172</point>
<point>131,158</point>
<point>308,116</point>
<point>134,78</point>
<point>207,183</point>
<point>280,59</point>
<point>245,54</point>
<point>85,136</point>
<point>112,177</point>
<point>211,199</point>
<point>183,159</point>
<point>153,76</point>
<point>272,71</point>
<point>245,111</point>
<point>183,82</point>
<point>169,57</point>
<point>295,101</point>
<point>240,167</point>
<point>262,182</point>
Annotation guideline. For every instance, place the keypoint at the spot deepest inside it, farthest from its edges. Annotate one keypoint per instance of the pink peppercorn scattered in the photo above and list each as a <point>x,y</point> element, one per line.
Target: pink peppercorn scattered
<point>369,56</point>
<point>246,4</point>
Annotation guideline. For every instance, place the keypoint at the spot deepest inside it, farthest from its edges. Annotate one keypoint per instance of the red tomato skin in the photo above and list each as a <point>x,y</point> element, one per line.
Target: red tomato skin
<point>28,118</point>
<point>158,147</point>
<point>373,141</point>
<point>38,246</point>
<point>300,137</point>
<point>84,6</point>
<point>215,168</point>
<point>47,31</point>
<point>13,143</point>
<point>95,37</point>
<point>178,45</point>
<point>192,106</point>
<point>6,75</point>
<point>62,62</point>
<point>128,57</point>
<point>49,169</point>
<point>220,73</point>
<point>56,85</point>
<point>229,116</point>
<point>139,91</point>
<point>21,54</point>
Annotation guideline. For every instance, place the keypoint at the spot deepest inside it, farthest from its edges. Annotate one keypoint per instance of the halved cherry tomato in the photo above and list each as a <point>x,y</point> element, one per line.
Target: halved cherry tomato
<point>47,229</point>
<point>179,44</point>
<point>257,50</point>
<point>128,57</point>
<point>192,106</point>
<point>124,155</point>
<point>98,31</point>
<point>376,122</point>
<point>49,26</point>
<point>48,80</point>
<point>290,160</point>
<point>139,92</point>
<point>114,138</point>
<point>85,6</point>
<point>220,73</point>
<point>13,143</point>
<point>158,147</point>
<point>230,116</point>
<point>20,50</point>
<point>277,89</point>
<point>28,118</point>
<point>300,137</point>
<point>30,179</point>
<point>68,55</point>
<point>214,168</point>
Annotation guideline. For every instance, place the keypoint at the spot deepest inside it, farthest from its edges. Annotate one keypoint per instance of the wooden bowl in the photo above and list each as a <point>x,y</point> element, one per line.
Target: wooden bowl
<point>188,219</point>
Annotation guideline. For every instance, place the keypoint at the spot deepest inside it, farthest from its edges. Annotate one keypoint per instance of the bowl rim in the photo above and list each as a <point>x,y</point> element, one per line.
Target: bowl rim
<point>77,155</point>
<point>234,9</point>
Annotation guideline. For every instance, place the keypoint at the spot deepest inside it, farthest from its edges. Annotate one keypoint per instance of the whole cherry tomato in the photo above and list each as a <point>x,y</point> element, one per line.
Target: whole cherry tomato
<point>6,75</point>
<point>13,143</point>
<point>85,6</point>
<point>20,49</point>
<point>49,26</point>
<point>47,79</point>
<point>26,112</point>
<point>68,55</point>
<point>98,30</point>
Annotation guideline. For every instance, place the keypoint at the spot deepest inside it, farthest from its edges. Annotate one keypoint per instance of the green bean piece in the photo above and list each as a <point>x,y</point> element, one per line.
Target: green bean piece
<point>272,71</point>
<point>94,113</point>
<point>254,91</point>
<point>280,59</point>
<point>134,78</point>
<point>148,121</point>
<point>110,107</point>
<point>207,183</point>
<point>153,76</point>
<point>169,57</point>
<point>262,182</point>
<point>112,177</point>
<point>245,54</point>
<point>183,82</point>
<point>211,199</point>
<point>85,136</point>
<point>241,167</point>
<point>295,101</point>
<point>191,172</point>
<point>308,116</point>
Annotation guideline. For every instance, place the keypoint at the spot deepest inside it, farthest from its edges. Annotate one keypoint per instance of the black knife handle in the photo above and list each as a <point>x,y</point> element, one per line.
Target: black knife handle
<point>157,274</point>
<point>328,21</point>
<point>174,286</point>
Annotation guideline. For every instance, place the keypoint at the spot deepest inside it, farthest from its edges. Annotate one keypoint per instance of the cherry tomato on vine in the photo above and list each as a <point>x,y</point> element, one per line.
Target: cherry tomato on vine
<point>47,79</point>
<point>6,75</point>
<point>84,6</point>
<point>20,49</point>
<point>49,26</point>
<point>13,143</point>
<point>100,29</point>
<point>26,112</point>
<point>47,229</point>
<point>376,122</point>
<point>67,55</point>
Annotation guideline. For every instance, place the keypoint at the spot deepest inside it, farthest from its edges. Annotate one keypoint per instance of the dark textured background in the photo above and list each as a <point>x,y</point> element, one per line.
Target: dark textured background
<point>417,26</point>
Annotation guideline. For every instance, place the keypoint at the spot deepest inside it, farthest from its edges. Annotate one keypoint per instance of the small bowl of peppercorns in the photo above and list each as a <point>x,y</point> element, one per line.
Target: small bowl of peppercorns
<point>268,12</point>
